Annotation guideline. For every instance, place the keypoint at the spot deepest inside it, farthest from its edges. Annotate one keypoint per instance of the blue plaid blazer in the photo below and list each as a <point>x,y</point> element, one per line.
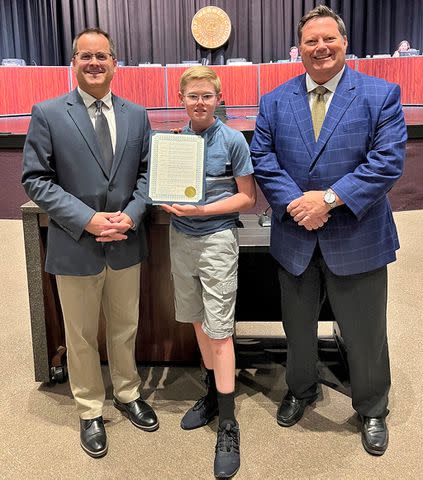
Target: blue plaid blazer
<point>359,154</point>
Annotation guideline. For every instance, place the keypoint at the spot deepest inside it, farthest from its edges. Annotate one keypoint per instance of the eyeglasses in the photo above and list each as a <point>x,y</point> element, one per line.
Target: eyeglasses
<point>87,56</point>
<point>206,98</point>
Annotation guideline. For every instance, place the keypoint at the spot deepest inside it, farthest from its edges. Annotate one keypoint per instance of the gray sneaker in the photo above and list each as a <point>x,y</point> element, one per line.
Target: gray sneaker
<point>227,460</point>
<point>203,412</point>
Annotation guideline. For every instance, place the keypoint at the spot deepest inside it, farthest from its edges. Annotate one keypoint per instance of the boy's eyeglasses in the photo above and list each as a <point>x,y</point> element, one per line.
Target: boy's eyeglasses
<point>206,98</point>
<point>87,56</point>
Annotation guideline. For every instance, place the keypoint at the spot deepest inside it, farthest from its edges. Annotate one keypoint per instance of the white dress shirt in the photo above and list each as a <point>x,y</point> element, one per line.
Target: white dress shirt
<point>108,111</point>
<point>329,85</point>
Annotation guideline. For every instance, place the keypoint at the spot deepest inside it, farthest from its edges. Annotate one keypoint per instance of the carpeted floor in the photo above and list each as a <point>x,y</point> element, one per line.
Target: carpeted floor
<point>39,436</point>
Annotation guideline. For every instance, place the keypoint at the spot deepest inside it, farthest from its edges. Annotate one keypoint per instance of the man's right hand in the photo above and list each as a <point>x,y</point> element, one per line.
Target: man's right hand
<point>100,222</point>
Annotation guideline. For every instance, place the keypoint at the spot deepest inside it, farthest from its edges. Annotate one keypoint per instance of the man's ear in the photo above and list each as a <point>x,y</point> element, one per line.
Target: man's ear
<point>345,43</point>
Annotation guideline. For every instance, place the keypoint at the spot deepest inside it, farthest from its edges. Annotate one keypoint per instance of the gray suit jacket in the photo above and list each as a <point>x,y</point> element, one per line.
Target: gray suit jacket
<point>63,173</point>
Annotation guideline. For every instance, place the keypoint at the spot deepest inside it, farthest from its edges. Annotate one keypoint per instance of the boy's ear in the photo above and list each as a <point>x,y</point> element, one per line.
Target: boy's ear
<point>181,97</point>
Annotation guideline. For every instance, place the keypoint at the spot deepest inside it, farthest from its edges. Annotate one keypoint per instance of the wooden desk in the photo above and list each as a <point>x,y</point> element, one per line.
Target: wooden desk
<point>160,338</point>
<point>157,87</point>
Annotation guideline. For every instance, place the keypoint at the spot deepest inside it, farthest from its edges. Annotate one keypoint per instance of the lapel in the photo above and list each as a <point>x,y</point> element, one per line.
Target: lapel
<point>121,119</point>
<point>301,110</point>
<point>78,112</point>
<point>341,100</point>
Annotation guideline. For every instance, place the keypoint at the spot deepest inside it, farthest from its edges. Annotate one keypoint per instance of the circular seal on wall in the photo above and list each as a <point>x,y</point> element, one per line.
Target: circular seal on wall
<point>211,27</point>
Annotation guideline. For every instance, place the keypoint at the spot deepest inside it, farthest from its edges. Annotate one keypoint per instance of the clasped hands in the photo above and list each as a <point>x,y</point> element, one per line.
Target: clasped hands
<point>309,211</point>
<point>109,226</point>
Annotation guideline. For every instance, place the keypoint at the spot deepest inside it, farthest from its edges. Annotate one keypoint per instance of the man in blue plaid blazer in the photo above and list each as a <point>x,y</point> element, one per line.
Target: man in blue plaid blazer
<point>325,160</point>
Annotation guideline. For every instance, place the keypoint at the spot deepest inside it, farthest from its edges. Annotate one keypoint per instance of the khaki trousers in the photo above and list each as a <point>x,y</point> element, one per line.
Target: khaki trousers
<point>117,293</point>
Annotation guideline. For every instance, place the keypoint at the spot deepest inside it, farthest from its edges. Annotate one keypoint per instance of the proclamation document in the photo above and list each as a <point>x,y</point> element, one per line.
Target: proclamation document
<point>176,172</point>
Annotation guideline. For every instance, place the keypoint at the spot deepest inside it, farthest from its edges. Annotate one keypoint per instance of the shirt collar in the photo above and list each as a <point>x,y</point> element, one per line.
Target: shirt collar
<point>330,84</point>
<point>90,100</point>
<point>208,131</point>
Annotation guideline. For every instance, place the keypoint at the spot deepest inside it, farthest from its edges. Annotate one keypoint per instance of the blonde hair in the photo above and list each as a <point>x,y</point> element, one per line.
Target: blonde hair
<point>200,72</point>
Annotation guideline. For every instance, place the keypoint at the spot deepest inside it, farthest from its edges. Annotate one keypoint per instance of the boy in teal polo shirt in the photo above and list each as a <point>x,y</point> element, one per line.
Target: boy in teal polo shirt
<point>204,259</point>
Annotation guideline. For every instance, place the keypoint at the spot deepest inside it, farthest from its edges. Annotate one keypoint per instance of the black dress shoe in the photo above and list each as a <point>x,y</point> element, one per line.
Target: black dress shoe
<point>374,435</point>
<point>140,413</point>
<point>292,409</point>
<point>93,437</point>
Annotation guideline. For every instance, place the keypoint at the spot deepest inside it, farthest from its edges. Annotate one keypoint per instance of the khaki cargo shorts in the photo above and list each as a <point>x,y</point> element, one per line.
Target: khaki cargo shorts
<point>204,270</point>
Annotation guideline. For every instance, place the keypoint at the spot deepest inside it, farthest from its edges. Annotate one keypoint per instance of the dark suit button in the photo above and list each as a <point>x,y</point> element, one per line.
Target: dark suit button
<point>110,188</point>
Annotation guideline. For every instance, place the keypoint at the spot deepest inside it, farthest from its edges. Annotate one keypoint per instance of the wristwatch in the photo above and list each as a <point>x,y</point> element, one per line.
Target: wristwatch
<point>329,198</point>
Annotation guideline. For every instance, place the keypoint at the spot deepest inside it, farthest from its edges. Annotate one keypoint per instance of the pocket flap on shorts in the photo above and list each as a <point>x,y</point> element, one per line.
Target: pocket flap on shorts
<point>229,286</point>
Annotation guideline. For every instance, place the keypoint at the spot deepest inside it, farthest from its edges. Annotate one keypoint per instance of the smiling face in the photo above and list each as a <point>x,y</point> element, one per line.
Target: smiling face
<point>93,76</point>
<point>200,109</point>
<point>293,53</point>
<point>404,46</point>
<point>322,48</point>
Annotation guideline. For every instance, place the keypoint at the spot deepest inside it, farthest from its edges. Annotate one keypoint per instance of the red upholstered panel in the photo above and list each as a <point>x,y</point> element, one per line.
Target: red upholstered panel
<point>407,72</point>
<point>239,84</point>
<point>21,87</point>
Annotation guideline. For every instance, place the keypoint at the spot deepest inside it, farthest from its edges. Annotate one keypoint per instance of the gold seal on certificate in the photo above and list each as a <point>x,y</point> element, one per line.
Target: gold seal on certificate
<point>176,172</point>
<point>211,27</point>
<point>190,192</point>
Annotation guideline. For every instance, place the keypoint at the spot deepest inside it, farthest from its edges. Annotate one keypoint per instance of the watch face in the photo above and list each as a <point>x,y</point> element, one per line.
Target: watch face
<point>329,197</point>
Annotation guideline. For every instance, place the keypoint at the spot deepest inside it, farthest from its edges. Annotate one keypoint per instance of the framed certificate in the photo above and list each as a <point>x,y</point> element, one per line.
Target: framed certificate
<point>176,172</point>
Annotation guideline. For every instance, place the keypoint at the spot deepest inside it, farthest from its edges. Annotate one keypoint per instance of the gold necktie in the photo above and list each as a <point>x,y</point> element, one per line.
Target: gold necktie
<point>318,110</point>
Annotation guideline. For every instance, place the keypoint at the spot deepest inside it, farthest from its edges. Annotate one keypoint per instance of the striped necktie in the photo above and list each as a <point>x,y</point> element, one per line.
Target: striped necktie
<point>103,136</point>
<point>318,110</point>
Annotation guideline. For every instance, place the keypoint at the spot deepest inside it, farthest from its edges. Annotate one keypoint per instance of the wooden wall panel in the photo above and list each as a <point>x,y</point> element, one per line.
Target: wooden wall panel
<point>274,74</point>
<point>143,85</point>
<point>21,87</point>
<point>157,87</point>
<point>239,84</point>
<point>407,72</point>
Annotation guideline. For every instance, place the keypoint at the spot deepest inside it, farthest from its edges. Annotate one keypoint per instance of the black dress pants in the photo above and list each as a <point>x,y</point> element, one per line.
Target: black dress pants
<point>359,305</point>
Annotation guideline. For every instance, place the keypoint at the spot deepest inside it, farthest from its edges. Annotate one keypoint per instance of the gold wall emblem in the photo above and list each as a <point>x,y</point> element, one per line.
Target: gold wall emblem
<point>211,27</point>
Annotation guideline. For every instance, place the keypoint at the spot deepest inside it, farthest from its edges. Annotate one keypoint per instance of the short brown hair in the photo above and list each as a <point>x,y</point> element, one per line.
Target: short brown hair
<point>321,11</point>
<point>200,72</point>
<point>98,31</point>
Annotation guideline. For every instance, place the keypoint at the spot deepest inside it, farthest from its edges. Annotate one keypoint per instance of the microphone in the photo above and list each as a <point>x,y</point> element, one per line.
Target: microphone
<point>264,219</point>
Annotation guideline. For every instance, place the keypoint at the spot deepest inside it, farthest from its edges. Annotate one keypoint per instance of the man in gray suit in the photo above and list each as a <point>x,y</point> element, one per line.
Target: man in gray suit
<point>85,160</point>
